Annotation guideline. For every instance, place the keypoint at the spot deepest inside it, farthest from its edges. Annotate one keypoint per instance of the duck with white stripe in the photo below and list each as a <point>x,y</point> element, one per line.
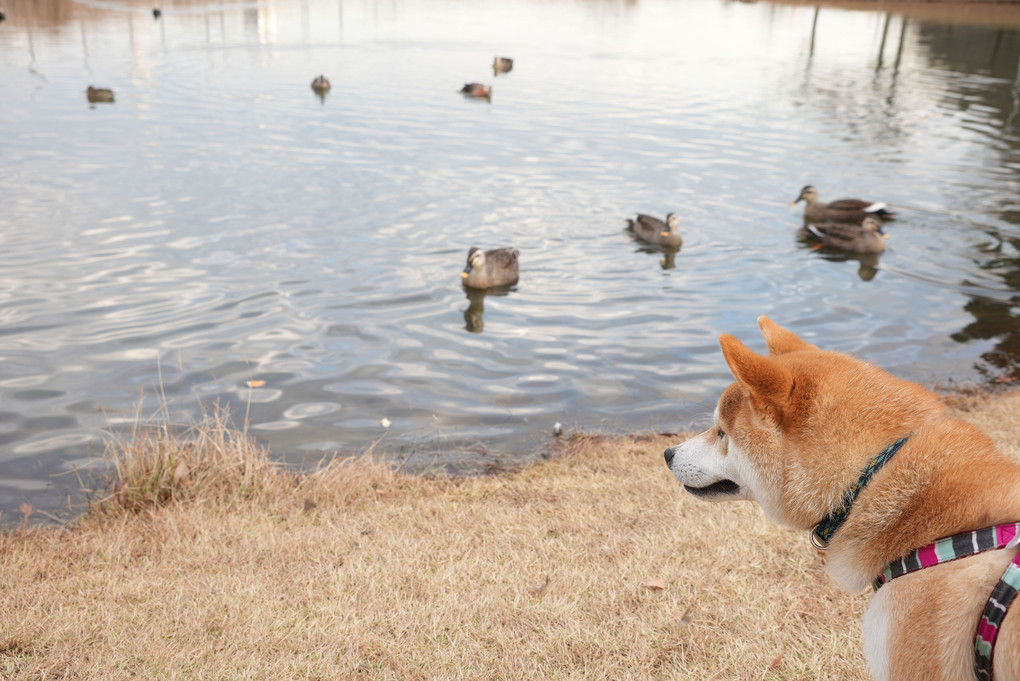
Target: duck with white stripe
<point>840,210</point>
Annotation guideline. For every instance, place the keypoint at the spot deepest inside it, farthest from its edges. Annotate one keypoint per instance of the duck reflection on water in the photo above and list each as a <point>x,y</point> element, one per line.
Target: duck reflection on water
<point>668,254</point>
<point>474,314</point>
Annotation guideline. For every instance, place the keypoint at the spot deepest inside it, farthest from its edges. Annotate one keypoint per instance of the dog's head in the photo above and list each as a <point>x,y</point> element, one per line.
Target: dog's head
<point>795,428</point>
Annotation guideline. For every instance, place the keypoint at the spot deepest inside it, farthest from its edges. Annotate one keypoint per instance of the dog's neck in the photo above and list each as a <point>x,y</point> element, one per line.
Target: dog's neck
<point>915,501</point>
<point>822,534</point>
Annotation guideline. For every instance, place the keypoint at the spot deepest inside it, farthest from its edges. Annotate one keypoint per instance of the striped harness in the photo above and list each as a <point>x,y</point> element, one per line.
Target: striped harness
<point>960,546</point>
<point>941,551</point>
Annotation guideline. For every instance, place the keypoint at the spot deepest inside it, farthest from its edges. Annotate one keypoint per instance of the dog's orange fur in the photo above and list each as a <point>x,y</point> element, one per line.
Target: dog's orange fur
<point>810,420</point>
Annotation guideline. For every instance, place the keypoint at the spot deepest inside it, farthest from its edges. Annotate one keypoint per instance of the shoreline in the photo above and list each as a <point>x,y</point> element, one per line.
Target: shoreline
<point>999,13</point>
<point>590,564</point>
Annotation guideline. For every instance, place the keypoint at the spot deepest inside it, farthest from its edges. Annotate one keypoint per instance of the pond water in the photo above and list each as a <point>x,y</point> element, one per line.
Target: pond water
<point>220,224</point>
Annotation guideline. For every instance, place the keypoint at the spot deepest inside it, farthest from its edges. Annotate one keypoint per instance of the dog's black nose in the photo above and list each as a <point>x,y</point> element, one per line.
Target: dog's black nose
<point>669,455</point>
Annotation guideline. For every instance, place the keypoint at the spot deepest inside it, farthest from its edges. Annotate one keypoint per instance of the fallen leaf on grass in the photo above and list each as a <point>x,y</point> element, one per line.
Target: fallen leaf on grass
<point>256,384</point>
<point>656,584</point>
<point>219,645</point>
<point>775,662</point>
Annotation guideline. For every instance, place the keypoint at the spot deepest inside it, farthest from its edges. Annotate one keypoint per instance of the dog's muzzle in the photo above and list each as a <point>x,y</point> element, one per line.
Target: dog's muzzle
<point>717,489</point>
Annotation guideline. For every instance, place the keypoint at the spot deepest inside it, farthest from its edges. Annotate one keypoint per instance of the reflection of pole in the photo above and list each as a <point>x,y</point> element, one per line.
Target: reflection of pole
<point>814,25</point>
<point>1016,97</point>
<point>995,49</point>
<point>85,49</point>
<point>31,42</point>
<point>340,9</point>
<point>881,44</point>
<point>899,48</point>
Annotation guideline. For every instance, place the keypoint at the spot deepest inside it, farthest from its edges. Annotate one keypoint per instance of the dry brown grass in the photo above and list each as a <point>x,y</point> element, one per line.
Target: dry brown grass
<point>237,570</point>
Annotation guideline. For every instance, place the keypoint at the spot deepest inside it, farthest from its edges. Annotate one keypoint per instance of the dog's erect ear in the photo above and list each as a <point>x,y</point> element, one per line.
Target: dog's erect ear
<point>767,383</point>
<point>779,340</point>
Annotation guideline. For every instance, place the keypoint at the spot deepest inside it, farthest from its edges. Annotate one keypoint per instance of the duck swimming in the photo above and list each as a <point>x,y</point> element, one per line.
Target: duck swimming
<point>99,94</point>
<point>866,237</point>
<point>486,269</point>
<point>840,210</point>
<point>477,90</point>
<point>321,85</point>
<point>502,64</point>
<point>655,231</point>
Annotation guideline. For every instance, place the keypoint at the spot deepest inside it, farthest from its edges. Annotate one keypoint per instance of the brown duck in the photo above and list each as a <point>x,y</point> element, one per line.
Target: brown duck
<point>655,231</point>
<point>477,90</point>
<point>840,210</point>
<point>502,65</point>
<point>99,94</point>
<point>485,269</point>
<point>866,237</point>
<point>321,85</point>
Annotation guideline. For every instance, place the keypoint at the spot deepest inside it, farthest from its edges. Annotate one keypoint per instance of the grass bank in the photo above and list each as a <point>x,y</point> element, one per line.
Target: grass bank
<point>208,562</point>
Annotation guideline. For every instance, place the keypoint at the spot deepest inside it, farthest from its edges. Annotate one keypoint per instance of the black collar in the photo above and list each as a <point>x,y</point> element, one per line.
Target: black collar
<point>827,526</point>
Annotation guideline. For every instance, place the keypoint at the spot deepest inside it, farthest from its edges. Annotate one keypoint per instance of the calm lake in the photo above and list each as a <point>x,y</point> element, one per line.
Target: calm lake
<point>219,225</point>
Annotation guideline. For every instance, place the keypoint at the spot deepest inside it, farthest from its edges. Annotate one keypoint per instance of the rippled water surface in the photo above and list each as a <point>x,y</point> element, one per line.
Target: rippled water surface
<point>219,224</point>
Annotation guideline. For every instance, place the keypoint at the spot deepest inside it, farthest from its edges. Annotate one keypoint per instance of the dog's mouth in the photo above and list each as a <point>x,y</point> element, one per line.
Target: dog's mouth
<point>715,489</point>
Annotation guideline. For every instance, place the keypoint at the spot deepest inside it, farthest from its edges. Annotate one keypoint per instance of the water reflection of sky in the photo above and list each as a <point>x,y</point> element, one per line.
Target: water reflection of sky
<point>219,223</point>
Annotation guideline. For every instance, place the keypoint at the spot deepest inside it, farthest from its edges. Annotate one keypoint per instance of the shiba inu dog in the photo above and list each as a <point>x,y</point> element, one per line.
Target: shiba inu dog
<point>878,471</point>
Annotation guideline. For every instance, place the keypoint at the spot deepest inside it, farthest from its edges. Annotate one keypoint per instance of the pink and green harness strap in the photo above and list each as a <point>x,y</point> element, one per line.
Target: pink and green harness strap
<point>959,546</point>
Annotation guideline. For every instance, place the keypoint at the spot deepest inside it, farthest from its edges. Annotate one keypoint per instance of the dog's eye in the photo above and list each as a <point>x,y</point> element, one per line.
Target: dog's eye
<point>720,433</point>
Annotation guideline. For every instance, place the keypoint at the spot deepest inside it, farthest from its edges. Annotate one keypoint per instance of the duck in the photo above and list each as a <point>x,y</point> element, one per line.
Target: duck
<point>655,231</point>
<point>840,210</point>
<point>866,237</point>
<point>321,85</point>
<point>486,269</point>
<point>99,94</point>
<point>502,65</point>
<point>477,90</point>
